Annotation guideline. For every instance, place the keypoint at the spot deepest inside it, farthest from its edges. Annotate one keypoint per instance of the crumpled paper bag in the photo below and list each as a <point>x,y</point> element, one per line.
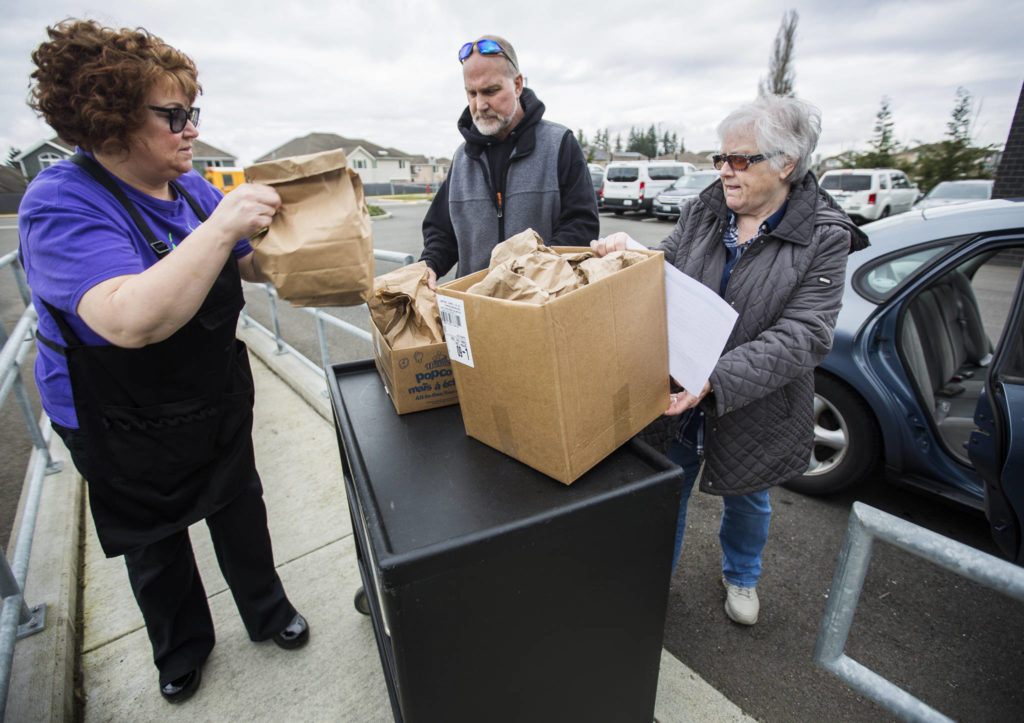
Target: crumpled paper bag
<point>318,250</point>
<point>523,269</point>
<point>596,268</point>
<point>404,308</point>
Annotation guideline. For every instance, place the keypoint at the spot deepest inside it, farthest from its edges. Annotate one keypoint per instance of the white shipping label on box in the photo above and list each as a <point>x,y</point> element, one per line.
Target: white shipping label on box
<point>453,319</point>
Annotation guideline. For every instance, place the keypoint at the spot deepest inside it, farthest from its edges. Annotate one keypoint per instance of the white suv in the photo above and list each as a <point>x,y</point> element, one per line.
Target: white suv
<point>868,194</point>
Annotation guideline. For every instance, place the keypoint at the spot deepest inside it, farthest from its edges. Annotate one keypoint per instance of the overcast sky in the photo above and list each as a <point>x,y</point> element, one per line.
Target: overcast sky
<point>387,71</point>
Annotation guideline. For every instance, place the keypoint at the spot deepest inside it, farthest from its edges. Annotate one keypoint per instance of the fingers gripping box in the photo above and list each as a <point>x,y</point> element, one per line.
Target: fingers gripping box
<point>561,385</point>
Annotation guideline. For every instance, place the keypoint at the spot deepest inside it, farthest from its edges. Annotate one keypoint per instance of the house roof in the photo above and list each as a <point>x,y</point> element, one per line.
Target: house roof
<point>697,158</point>
<point>200,149</point>
<point>57,143</point>
<point>11,180</point>
<point>424,160</point>
<point>318,142</point>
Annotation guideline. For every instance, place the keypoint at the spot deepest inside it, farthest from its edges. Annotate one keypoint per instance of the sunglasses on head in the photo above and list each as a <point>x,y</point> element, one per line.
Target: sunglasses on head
<point>178,117</point>
<point>484,47</point>
<point>739,161</point>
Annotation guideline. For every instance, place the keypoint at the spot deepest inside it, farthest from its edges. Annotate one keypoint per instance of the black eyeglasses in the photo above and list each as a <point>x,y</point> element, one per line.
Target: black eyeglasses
<point>178,117</point>
<point>485,47</point>
<point>739,161</point>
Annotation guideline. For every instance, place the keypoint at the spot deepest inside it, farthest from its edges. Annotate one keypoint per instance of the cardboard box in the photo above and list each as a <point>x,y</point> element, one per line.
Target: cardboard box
<point>561,385</point>
<point>416,378</point>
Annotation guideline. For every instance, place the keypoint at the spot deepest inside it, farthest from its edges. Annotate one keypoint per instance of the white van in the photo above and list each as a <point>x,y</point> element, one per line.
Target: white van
<point>633,185</point>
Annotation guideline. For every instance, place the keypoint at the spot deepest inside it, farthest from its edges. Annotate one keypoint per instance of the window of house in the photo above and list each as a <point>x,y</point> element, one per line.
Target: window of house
<point>359,163</point>
<point>401,164</point>
<point>48,159</point>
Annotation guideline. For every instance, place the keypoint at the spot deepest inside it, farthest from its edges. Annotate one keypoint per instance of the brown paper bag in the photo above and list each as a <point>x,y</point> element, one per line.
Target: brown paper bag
<point>596,268</point>
<point>523,269</point>
<point>318,250</point>
<point>404,309</point>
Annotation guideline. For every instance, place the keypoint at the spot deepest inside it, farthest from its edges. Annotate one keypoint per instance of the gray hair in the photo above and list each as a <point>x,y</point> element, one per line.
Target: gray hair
<point>510,53</point>
<point>779,123</point>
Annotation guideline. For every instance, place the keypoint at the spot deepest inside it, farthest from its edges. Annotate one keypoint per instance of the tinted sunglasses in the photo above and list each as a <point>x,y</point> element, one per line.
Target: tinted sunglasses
<point>739,161</point>
<point>485,47</point>
<point>178,117</point>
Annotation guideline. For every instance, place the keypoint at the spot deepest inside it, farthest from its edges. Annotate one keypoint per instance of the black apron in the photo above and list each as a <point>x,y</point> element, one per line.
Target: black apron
<point>168,427</point>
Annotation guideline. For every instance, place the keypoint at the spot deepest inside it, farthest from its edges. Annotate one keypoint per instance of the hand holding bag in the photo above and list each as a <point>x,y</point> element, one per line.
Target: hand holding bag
<point>318,250</point>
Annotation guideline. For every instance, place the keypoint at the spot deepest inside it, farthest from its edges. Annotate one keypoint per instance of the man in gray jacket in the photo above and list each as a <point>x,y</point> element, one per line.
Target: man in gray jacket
<point>515,170</point>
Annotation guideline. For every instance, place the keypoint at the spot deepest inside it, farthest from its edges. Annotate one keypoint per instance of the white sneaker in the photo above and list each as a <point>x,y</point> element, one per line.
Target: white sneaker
<point>741,603</point>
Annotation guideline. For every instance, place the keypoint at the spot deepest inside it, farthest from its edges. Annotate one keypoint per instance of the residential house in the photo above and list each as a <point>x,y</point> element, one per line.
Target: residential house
<point>45,153</point>
<point>373,163</point>
<point>597,155</point>
<point>12,187</point>
<point>431,171</point>
<point>206,156</point>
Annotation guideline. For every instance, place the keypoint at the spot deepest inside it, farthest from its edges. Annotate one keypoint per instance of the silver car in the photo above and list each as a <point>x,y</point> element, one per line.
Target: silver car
<point>667,203</point>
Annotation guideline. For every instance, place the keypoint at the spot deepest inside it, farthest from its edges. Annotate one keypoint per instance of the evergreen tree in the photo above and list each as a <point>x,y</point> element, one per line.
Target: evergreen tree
<point>618,143</point>
<point>883,145</point>
<point>780,72</point>
<point>633,142</point>
<point>650,142</point>
<point>13,153</point>
<point>954,157</point>
<point>668,143</point>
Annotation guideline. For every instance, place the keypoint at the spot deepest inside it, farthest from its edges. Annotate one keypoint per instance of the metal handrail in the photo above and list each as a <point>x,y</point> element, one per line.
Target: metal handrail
<point>865,524</point>
<point>322,318</point>
<point>17,618</point>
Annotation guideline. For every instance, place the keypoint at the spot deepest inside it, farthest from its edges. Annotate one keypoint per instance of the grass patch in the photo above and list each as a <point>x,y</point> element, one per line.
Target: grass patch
<point>408,197</point>
<point>375,210</point>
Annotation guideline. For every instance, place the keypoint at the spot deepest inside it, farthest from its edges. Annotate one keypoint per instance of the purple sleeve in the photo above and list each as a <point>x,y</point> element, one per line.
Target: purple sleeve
<point>72,246</point>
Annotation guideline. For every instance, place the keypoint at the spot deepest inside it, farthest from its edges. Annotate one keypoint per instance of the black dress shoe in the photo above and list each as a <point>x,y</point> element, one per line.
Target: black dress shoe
<point>295,635</point>
<point>181,689</point>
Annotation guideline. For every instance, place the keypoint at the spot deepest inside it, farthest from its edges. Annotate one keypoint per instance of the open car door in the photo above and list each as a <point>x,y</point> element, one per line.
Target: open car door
<point>997,445</point>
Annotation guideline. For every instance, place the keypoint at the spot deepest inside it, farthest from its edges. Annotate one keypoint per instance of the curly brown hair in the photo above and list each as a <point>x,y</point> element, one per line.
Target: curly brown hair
<point>91,83</point>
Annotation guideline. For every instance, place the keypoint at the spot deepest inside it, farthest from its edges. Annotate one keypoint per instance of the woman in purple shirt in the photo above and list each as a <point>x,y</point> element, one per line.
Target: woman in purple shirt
<point>135,264</point>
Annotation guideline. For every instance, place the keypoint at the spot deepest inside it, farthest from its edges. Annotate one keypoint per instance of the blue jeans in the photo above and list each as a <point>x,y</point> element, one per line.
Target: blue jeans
<point>744,528</point>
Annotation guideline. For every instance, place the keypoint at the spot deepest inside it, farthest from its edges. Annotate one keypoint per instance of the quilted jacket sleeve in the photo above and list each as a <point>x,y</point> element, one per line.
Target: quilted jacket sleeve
<point>800,335</point>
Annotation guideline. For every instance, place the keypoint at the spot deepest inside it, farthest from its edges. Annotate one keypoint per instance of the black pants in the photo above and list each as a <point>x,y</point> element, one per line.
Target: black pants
<point>170,592</point>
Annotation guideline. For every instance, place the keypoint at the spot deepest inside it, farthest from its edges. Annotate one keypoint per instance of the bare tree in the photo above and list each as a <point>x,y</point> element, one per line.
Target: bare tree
<point>780,74</point>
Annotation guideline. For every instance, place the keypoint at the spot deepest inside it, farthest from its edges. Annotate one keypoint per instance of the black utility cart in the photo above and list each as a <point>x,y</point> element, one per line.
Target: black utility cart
<point>497,593</point>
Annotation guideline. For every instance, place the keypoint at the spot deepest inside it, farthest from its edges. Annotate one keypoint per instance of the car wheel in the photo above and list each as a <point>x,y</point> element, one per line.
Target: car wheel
<point>619,213</point>
<point>884,213</point>
<point>846,440</point>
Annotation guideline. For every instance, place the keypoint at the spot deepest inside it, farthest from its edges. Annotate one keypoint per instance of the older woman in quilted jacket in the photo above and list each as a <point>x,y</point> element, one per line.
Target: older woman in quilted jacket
<point>773,245</point>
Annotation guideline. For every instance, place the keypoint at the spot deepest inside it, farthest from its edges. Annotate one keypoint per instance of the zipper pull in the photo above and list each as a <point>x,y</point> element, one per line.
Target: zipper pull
<point>501,209</point>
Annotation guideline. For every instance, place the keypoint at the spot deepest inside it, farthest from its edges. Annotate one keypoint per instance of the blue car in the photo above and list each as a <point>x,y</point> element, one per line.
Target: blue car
<point>926,375</point>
